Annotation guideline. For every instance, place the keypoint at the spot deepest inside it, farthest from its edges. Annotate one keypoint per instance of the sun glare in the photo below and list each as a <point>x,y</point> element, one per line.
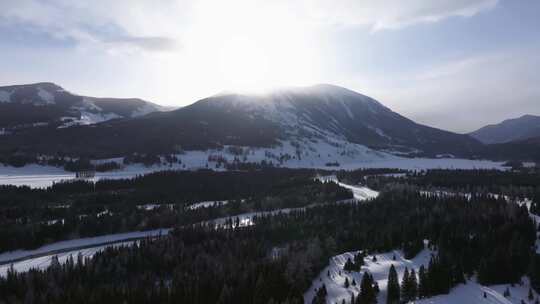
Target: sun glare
<point>254,49</point>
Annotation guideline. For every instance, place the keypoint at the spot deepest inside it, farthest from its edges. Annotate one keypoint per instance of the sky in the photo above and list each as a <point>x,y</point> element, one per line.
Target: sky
<point>451,64</point>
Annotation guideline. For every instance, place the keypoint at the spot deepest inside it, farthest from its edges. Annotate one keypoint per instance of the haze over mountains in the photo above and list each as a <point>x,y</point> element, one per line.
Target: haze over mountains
<point>308,119</point>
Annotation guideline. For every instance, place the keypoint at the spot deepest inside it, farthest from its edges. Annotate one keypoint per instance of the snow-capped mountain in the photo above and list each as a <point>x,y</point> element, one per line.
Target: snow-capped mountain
<point>321,119</point>
<point>330,112</point>
<point>47,104</point>
<point>518,129</point>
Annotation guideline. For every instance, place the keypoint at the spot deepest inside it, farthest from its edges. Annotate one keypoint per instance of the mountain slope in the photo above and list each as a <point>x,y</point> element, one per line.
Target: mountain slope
<point>302,117</point>
<point>524,127</point>
<point>41,104</point>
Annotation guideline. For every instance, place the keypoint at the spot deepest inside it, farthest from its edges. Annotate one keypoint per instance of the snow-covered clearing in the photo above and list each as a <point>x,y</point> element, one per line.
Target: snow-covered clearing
<point>359,193</point>
<point>469,293</point>
<point>472,293</point>
<point>379,269</point>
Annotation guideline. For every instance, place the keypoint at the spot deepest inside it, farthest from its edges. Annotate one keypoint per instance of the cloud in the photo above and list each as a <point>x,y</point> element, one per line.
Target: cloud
<point>160,25</point>
<point>109,25</point>
<point>393,14</point>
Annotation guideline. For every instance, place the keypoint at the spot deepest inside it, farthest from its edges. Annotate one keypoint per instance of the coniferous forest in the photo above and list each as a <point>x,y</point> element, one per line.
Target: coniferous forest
<point>483,236</point>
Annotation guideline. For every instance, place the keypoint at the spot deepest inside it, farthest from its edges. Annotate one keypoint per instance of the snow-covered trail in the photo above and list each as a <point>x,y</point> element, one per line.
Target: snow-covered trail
<point>43,262</point>
<point>63,246</point>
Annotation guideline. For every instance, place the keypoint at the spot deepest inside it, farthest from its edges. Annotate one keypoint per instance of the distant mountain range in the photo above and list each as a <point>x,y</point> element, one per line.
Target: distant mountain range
<point>47,104</point>
<point>518,129</point>
<point>321,119</point>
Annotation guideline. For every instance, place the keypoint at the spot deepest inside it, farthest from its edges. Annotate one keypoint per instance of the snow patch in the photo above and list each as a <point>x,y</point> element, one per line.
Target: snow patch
<point>45,96</point>
<point>5,96</point>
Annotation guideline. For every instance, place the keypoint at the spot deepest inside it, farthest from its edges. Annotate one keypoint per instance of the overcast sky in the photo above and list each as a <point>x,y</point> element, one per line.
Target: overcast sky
<point>452,64</point>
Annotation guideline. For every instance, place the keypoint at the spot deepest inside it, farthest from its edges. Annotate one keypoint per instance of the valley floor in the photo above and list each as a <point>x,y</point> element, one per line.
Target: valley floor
<point>37,176</point>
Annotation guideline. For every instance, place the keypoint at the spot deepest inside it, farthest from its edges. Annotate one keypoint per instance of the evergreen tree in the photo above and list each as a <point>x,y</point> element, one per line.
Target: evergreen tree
<point>393,287</point>
<point>367,292</point>
<point>405,288</point>
<point>413,285</point>
<point>422,283</point>
<point>349,265</point>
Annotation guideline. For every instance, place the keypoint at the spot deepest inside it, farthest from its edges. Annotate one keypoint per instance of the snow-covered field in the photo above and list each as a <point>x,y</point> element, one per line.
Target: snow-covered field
<point>318,155</point>
<point>469,293</point>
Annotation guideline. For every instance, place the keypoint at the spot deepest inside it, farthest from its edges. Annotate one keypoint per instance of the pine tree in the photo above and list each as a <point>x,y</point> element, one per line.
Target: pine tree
<point>359,260</point>
<point>405,288</point>
<point>347,284</point>
<point>531,295</point>
<point>422,283</point>
<point>393,286</point>
<point>506,293</point>
<point>349,266</point>
<point>367,292</point>
<point>413,285</point>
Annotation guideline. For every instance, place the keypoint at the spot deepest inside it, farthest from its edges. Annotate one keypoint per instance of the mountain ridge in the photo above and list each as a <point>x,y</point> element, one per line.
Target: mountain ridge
<point>509,130</point>
<point>46,103</point>
<point>306,118</point>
